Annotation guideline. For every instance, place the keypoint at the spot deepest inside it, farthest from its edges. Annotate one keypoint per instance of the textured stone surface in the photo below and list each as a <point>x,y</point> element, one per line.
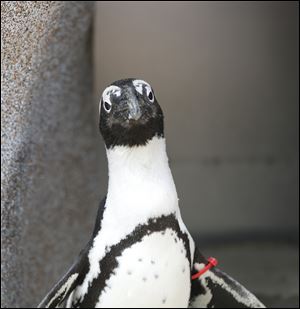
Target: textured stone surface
<point>49,142</point>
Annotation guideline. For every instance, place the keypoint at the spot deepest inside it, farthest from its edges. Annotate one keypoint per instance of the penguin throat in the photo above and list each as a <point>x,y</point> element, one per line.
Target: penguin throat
<point>140,177</point>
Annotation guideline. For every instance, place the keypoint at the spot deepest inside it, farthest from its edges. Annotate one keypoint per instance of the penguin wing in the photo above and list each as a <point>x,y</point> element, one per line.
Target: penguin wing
<point>74,276</point>
<point>62,289</point>
<point>215,289</point>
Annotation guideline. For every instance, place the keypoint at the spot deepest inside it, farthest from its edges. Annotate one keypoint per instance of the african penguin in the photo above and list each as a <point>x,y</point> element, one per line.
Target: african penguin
<point>140,253</point>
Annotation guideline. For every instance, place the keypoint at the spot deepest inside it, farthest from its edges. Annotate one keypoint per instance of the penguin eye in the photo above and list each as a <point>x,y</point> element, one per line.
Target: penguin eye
<point>107,106</point>
<point>150,95</point>
<point>108,92</point>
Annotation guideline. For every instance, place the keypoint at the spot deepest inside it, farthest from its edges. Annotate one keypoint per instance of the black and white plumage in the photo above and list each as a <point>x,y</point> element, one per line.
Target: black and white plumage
<point>140,253</point>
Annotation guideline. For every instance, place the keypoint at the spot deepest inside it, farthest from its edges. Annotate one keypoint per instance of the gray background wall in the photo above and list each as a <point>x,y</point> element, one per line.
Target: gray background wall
<point>226,76</point>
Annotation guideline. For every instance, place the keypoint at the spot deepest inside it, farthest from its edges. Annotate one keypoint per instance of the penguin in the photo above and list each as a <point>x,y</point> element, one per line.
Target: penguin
<point>140,253</point>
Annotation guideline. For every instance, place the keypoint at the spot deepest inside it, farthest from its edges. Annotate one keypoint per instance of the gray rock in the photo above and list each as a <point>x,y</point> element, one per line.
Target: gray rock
<point>49,144</point>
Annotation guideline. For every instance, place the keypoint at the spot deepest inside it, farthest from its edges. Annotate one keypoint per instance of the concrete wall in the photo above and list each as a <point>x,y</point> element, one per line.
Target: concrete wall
<point>49,165</point>
<point>226,76</point>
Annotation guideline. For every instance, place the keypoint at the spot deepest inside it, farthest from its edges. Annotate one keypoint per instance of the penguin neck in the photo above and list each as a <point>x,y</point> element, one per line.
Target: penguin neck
<point>140,179</point>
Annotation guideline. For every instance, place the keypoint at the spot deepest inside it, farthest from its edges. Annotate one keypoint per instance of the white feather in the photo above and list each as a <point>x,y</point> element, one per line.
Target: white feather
<point>115,90</point>
<point>139,84</point>
<point>64,289</point>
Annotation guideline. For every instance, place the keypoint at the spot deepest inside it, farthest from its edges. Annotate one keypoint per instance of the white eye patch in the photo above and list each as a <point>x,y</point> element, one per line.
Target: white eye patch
<point>139,84</point>
<point>115,90</point>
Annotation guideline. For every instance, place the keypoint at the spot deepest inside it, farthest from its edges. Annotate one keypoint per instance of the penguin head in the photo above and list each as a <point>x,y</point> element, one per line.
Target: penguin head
<point>129,114</point>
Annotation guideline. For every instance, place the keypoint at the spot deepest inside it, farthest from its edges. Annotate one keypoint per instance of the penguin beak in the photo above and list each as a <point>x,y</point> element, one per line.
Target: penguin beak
<point>134,110</point>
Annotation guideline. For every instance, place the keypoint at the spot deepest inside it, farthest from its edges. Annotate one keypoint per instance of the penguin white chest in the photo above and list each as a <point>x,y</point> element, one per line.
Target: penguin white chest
<point>154,272</point>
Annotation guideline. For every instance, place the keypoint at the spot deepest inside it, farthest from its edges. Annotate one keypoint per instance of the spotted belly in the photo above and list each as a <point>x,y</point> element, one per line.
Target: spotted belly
<point>153,272</point>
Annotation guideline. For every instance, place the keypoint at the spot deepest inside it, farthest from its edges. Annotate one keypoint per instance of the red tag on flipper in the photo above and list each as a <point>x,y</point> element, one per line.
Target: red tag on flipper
<point>211,262</point>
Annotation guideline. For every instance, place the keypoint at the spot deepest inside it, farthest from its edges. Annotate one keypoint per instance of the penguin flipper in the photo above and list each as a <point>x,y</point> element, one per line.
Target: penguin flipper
<point>62,289</point>
<point>60,292</point>
<point>215,289</point>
